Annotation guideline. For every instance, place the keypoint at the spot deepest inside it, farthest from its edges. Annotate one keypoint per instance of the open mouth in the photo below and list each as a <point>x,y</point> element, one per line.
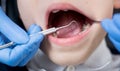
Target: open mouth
<point>73,33</point>
<point>60,18</point>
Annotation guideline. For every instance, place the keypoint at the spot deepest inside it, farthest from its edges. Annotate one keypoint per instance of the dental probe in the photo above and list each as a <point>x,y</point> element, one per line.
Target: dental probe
<point>97,21</point>
<point>45,32</point>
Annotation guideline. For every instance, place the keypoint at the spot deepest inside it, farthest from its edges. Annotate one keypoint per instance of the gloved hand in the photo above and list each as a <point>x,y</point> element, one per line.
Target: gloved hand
<point>25,46</point>
<point>112,27</point>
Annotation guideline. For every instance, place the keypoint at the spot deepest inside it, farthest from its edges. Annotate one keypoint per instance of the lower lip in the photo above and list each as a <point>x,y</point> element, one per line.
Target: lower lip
<point>69,41</point>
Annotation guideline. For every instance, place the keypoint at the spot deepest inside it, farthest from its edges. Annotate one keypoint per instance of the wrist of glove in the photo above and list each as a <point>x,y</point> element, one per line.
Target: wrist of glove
<point>112,27</point>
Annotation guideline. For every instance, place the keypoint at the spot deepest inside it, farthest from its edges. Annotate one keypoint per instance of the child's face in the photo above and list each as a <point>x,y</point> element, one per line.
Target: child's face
<point>66,46</point>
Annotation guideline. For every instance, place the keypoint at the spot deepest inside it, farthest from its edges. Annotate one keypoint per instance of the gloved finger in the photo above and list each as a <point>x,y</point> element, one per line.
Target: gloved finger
<point>116,19</point>
<point>115,43</point>
<point>5,57</point>
<point>110,27</point>
<point>12,31</point>
<point>14,56</point>
<point>31,28</point>
<point>27,58</point>
<point>2,41</point>
<point>34,29</point>
<point>29,49</point>
<point>30,55</point>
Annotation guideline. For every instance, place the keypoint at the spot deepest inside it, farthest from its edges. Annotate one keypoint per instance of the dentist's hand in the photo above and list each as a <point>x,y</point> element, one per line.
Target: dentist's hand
<point>26,46</point>
<point>112,27</point>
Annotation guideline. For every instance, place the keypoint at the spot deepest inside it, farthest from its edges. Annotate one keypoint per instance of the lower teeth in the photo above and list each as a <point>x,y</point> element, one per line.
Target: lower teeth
<point>54,34</point>
<point>85,26</point>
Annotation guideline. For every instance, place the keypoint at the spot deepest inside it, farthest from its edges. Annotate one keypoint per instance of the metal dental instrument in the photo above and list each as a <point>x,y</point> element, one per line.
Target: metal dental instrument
<point>45,32</point>
<point>97,21</point>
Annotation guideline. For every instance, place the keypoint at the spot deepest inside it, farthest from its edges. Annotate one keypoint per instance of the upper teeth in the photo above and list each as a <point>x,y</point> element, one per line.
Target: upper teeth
<point>55,11</point>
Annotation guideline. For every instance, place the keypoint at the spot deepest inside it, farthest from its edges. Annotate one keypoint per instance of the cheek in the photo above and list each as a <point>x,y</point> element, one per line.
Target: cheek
<point>98,9</point>
<point>27,20</point>
<point>26,12</point>
<point>102,10</point>
<point>117,4</point>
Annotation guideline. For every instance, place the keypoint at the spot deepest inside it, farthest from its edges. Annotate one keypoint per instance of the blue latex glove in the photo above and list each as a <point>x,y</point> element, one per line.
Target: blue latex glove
<point>112,27</point>
<point>26,46</point>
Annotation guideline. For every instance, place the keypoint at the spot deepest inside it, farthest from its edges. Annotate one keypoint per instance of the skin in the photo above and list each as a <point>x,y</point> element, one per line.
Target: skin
<point>34,11</point>
<point>117,4</point>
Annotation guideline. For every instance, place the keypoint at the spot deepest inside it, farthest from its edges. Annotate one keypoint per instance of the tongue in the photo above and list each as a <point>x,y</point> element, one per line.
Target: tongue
<point>69,31</point>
